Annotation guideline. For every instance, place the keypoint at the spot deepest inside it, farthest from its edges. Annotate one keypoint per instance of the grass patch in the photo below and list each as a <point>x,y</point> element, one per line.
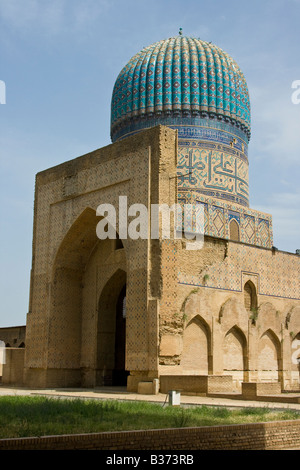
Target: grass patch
<point>41,416</point>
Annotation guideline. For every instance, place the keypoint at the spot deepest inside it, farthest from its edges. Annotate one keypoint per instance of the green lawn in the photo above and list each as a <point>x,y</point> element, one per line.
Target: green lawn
<point>38,416</point>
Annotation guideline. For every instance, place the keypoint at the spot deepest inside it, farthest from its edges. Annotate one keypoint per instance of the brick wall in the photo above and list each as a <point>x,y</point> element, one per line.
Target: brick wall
<point>196,383</point>
<point>13,368</point>
<point>13,336</point>
<point>252,390</point>
<point>258,436</point>
<point>72,267</point>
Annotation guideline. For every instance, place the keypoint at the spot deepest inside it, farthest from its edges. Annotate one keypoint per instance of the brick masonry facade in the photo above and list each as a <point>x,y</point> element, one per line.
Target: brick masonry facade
<point>230,310</point>
<point>258,436</point>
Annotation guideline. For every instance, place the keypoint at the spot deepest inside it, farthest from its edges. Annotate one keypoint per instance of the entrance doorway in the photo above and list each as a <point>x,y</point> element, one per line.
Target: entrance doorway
<point>119,373</point>
<point>111,335</point>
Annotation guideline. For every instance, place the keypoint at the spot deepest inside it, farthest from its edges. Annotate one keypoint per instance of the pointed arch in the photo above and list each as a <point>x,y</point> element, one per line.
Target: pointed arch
<point>292,324</point>
<point>295,343</point>
<point>232,313</point>
<point>77,244</point>
<point>69,292</point>
<point>234,230</point>
<point>273,337</point>
<point>111,331</point>
<point>66,293</point>
<point>235,355</point>
<point>196,354</point>
<point>269,357</point>
<point>80,241</point>
<point>238,332</point>
<point>250,296</point>
<point>292,320</point>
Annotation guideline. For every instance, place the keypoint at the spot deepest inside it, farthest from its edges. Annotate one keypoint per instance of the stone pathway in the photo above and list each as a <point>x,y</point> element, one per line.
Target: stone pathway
<point>120,393</point>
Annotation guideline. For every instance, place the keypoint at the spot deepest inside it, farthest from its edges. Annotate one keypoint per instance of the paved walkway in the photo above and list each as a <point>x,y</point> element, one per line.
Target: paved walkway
<point>120,393</point>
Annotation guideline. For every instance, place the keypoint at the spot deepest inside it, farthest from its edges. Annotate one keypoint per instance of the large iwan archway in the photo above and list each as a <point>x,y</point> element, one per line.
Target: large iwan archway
<point>88,285</point>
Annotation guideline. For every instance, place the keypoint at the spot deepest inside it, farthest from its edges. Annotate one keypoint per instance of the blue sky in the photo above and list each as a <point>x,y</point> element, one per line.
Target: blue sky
<point>59,60</point>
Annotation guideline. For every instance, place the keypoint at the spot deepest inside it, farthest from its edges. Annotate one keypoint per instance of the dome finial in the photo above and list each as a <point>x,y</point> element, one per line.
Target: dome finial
<point>180,31</point>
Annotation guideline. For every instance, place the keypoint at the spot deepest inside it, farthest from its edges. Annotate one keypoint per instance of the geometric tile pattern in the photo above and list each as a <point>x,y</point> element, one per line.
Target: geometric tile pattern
<point>249,228</point>
<point>255,227</point>
<point>213,169</point>
<point>263,232</point>
<point>179,75</point>
<point>277,275</point>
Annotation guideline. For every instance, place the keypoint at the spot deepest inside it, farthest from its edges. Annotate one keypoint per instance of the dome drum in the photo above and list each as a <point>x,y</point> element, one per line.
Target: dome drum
<point>132,124</point>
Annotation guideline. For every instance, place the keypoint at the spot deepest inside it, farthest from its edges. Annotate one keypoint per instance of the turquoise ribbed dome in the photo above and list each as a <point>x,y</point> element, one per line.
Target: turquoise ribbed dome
<point>178,81</point>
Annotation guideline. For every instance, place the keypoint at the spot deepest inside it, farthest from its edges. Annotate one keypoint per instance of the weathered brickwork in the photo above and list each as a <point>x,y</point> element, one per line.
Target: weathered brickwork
<point>69,337</point>
<point>229,311</point>
<point>13,369</point>
<point>214,332</point>
<point>13,336</point>
<point>259,436</point>
<point>149,310</point>
<point>218,334</point>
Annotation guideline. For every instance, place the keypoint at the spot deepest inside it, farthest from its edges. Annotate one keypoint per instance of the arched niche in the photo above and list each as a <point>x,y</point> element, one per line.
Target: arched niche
<point>234,230</point>
<point>196,353</point>
<point>250,297</point>
<point>232,312</point>
<point>235,358</point>
<point>295,360</point>
<point>111,332</point>
<point>269,318</point>
<point>269,357</point>
<point>65,322</point>
<point>70,328</point>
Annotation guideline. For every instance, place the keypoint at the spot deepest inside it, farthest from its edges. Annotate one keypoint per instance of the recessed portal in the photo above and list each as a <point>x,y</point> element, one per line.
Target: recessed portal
<point>111,335</point>
<point>119,373</point>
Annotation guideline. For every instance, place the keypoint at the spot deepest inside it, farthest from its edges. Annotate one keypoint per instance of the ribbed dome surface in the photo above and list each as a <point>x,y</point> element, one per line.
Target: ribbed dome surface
<point>180,77</point>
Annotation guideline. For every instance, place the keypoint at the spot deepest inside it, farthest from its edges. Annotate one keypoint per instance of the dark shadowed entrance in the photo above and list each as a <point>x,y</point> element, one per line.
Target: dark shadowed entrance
<point>119,373</point>
<point>111,335</point>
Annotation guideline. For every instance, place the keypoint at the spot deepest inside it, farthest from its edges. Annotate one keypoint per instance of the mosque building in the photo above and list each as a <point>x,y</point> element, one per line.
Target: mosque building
<point>148,312</point>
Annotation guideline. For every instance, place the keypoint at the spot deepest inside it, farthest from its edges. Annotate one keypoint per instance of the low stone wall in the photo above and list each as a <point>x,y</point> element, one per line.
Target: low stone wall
<point>258,436</point>
<point>196,384</point>
<point>253,390</point>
